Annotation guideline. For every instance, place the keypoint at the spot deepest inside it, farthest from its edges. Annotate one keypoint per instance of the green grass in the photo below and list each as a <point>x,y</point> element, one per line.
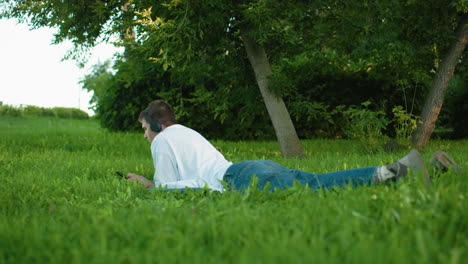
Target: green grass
<point>61,203</point>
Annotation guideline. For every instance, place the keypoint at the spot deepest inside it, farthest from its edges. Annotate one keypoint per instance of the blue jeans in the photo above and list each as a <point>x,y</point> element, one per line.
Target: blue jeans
<point>239,175</point>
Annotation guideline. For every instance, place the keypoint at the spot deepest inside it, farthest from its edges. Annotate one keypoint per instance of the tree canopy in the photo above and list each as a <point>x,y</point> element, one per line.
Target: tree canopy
<point>322,54</point>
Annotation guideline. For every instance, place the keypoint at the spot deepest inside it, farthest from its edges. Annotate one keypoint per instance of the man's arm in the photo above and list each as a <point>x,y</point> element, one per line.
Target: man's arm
<point>192,183</point>
<point>140,179</point>
<point>171,185</point>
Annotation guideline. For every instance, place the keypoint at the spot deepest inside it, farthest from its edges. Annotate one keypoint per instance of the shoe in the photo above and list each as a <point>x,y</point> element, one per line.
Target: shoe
<point>415,162</point>
<point>441,161</point>
<point>399,169</point>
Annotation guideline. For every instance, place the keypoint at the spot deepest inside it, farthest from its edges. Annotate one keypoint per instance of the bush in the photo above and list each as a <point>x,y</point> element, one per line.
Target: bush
<point>8,110</point>
<point>455,109</point>
<point>404,124</point>
<point>365,125</point>
<point>30,110</point>
<point>69,113</point>
<point>316,119</point>
<point>216,106</point>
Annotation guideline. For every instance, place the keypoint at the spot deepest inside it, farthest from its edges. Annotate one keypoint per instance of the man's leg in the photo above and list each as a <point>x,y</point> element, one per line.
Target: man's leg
<point>372,175</point>
<point>240,174</point>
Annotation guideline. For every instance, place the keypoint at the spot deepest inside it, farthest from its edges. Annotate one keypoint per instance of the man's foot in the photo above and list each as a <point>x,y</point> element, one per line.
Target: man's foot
<point>399,169</point>
<point>441,161</point>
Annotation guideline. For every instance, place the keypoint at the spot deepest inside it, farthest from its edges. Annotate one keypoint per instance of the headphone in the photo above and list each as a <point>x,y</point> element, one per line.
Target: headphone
<point>155,126</point>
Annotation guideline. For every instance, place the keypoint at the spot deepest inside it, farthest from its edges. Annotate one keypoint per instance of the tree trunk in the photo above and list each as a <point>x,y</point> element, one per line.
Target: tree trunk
<point>439,86</point>
<point>279,115</point>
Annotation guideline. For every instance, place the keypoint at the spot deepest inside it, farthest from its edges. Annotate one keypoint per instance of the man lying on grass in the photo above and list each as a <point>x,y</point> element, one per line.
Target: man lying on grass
<point>184,158</point>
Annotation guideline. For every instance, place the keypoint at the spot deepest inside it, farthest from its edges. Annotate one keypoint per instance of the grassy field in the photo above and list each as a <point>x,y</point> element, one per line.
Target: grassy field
<point>61,203</point>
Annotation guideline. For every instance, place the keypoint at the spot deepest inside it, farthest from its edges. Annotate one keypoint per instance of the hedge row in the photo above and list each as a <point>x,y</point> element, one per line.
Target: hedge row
<point>30,110</point>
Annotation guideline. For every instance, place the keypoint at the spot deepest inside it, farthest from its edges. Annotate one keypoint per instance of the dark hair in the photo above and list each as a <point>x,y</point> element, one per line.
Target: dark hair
<point>159,111</point>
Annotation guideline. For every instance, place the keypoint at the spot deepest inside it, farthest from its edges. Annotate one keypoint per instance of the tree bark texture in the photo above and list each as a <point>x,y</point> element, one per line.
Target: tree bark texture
<point>279,115</point>
<point>435,98</point>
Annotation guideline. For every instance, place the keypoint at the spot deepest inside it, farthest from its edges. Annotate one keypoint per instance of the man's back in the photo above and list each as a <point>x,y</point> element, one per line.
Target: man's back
<point>184,158</point>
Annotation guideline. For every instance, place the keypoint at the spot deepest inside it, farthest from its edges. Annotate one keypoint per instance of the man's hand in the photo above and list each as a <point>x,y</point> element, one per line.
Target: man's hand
<point>140,179</point>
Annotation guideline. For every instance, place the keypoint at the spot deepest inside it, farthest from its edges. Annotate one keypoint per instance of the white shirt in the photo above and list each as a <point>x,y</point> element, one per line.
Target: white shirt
<point>184,158</point>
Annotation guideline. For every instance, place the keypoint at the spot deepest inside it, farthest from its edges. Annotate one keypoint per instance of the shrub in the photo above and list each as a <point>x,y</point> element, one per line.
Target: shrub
<point>455,109</point>
<point>404,124</point>
<point>8,110</point>
<point>316,119</point>
<point>365,125</point>
<point>30,110</point>
<point>69,113</point>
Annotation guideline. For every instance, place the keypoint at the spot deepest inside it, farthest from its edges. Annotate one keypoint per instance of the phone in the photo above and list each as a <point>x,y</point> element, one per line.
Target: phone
<point>120,174</point>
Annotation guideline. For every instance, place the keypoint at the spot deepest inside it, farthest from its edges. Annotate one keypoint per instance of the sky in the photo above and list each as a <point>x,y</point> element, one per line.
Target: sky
<point>32,71</point>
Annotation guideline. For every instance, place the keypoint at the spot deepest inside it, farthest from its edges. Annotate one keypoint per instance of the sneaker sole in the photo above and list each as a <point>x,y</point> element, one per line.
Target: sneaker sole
<point>417,161</point>
<point>442,159</point>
